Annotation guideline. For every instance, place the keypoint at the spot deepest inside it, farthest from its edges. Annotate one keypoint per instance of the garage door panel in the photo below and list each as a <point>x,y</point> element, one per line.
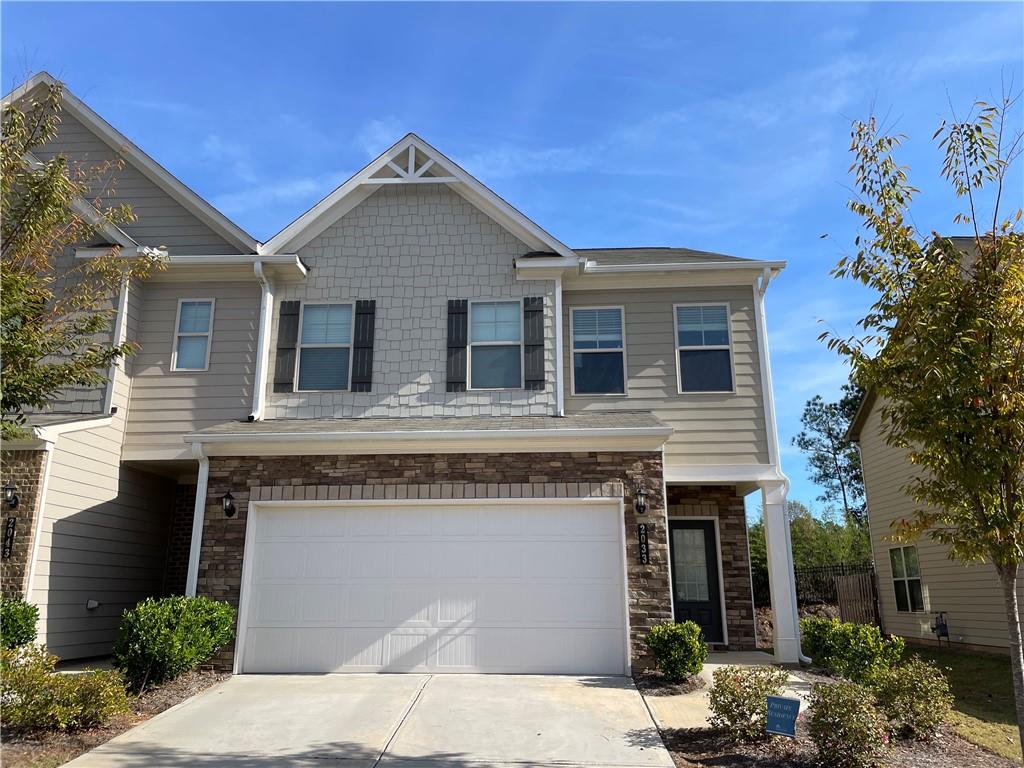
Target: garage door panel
<point>411,604</point>
<point>515,587</point>
<point>325,560</point>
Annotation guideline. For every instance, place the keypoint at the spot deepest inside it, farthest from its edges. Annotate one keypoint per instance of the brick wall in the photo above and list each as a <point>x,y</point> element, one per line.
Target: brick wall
<point>461,476</point>
<point>24,470</point>
<point>724,503</point>
<point>179,540</point>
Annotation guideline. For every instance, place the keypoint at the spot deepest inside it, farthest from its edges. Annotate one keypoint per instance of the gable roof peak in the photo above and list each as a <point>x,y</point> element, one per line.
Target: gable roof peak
<point>411,160</point>
<point>146,165</point>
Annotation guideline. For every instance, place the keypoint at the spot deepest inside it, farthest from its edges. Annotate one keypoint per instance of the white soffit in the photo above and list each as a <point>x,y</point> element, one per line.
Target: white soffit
<point>411,161</point>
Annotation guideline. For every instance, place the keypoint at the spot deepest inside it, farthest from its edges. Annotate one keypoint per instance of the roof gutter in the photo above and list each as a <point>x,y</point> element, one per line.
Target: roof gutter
<point>593,268</point>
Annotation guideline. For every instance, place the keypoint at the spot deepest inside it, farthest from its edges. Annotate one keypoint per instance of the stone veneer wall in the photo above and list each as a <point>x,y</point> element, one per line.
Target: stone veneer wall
<point>179,540</point>
<point>724,503</point>
<point>517,475</point>
<point>24,470</point>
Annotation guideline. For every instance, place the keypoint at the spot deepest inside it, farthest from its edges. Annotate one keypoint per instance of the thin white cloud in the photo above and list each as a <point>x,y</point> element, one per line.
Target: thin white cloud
<point>376,135</point>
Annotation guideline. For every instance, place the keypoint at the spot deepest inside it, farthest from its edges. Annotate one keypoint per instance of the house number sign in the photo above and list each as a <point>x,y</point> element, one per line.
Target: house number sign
<point>641,538</point>
<point>9,536</point>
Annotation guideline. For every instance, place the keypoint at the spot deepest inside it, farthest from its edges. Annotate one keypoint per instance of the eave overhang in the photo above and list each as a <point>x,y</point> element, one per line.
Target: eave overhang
<point>432,441</point>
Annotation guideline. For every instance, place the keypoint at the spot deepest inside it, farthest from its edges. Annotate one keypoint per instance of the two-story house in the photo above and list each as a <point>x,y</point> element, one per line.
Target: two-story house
<point>413,431</point>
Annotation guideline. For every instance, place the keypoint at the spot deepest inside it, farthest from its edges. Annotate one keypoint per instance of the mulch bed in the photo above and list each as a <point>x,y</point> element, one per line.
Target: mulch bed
<point>654,684</point>
<point>43,750</point>
<point>703,748</point>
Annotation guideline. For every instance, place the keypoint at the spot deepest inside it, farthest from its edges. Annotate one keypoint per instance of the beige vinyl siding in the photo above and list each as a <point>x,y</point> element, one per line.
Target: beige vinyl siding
<point>969,594</point>
<point>103,533</point>
<point>167,404</point>
<point>710,428</point>
<point>160,219</point>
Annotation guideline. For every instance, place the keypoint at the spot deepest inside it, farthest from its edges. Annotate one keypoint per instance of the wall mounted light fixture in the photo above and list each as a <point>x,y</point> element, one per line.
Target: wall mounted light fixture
<point>10,496</point>
<point>640,499</point>
<point>228,502</point>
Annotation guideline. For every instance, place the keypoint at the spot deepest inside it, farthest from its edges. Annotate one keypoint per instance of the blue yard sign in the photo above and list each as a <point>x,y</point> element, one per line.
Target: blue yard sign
<point>782,714</point>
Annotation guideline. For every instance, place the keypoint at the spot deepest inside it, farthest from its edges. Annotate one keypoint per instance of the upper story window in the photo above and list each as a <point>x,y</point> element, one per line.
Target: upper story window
<point>598,351</point>
<point>703,352</point>
<point>495,345</point>
<point>193,331</point>
<point>325,346</point>
<point>906,579</point>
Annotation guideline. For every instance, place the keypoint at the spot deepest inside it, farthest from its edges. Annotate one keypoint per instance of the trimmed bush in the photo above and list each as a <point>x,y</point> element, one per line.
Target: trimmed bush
<point>679,649</point>
<point>855,651</point>
<point>17,622</point>
<point>914,697</point>
<point>845,726</point>
<point>738,699</point>
<point>35,697</point>
<point>161,639</point>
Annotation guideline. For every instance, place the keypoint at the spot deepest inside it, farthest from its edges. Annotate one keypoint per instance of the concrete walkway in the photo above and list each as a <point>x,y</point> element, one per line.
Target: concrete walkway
<point>690,710</point>
<point>405,721</point>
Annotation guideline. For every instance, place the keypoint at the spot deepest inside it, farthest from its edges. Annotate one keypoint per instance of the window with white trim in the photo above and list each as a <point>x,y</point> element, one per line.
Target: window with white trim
<point>325,347</point>
<point>495,345</point>
<point>906,579</point>
<point>598,351</point>
<point>703,351</point>
<point>193,331</point>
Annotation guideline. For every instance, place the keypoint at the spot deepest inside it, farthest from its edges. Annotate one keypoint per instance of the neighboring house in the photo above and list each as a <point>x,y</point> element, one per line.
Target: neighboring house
<point>917,581</point>
<point>413,431</point>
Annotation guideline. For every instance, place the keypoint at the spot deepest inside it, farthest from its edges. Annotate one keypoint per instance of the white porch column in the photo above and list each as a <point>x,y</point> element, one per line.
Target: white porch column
<point>192,577</point>
<point>781,581</point>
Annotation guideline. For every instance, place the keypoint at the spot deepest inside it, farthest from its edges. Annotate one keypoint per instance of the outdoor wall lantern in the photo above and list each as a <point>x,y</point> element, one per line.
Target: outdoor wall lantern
<point>10,496</point>
<point>228,502</point>
<point>640,499</point>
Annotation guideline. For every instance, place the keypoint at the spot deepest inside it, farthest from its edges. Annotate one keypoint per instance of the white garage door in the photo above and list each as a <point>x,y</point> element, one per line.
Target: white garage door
<point>528,587</point>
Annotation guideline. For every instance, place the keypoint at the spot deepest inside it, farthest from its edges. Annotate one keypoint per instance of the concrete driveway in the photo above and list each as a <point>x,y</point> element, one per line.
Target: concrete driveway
<point>404,721</point>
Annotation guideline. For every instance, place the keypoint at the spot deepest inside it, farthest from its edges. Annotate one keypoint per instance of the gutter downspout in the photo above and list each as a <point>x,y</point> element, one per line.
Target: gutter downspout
<point>118,332</point>
<point>761,287</point>
<point>259,394</point>
<point>559,362</point>
<point>192,580</point>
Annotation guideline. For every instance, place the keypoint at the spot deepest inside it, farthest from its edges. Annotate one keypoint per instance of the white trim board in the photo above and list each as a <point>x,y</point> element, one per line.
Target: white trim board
<point>483,441</point>
<point>145,164</point>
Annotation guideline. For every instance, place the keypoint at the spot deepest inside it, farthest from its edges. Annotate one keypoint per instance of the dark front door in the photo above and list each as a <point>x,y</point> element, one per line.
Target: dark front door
<point>695,575</point>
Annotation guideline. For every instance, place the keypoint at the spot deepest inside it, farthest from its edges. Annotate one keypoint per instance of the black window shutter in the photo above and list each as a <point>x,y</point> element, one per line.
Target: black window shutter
<point>362,346</point>
<point>533,341</point>
<point>287,336</point>
<point>458,337</point>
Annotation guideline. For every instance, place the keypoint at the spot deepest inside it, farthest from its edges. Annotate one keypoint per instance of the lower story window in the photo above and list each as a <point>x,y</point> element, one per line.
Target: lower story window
<point>906,579</point>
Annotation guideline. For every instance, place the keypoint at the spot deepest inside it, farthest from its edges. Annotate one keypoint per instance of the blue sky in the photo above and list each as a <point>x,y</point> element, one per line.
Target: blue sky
<point>720,127</point>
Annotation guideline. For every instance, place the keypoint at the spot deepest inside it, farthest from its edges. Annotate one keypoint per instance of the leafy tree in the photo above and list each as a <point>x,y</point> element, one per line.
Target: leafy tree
<point>943,344</point>
<point>834,460</point>
<point>53,316</point>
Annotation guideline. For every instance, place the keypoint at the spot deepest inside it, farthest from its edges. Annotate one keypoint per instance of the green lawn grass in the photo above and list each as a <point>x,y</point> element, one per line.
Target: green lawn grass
<point>983,712</point>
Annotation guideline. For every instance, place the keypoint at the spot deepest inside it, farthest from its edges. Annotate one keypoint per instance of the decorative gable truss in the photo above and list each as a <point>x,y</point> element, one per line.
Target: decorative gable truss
<point>411,161</point>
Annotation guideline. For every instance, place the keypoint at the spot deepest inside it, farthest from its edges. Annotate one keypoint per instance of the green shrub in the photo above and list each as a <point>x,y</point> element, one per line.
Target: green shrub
<point>679,649</point>
<point>738,699</point>
<point>17,622</point>
<point>845,726</point>
<point>161,639</point>
<point>854,651</point>
<point>35,697</point>
<point>914,697</point>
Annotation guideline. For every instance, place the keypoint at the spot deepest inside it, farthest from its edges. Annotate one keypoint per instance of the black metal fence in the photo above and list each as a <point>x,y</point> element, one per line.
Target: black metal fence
<point>813,585</point>
<point>819,583</point>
